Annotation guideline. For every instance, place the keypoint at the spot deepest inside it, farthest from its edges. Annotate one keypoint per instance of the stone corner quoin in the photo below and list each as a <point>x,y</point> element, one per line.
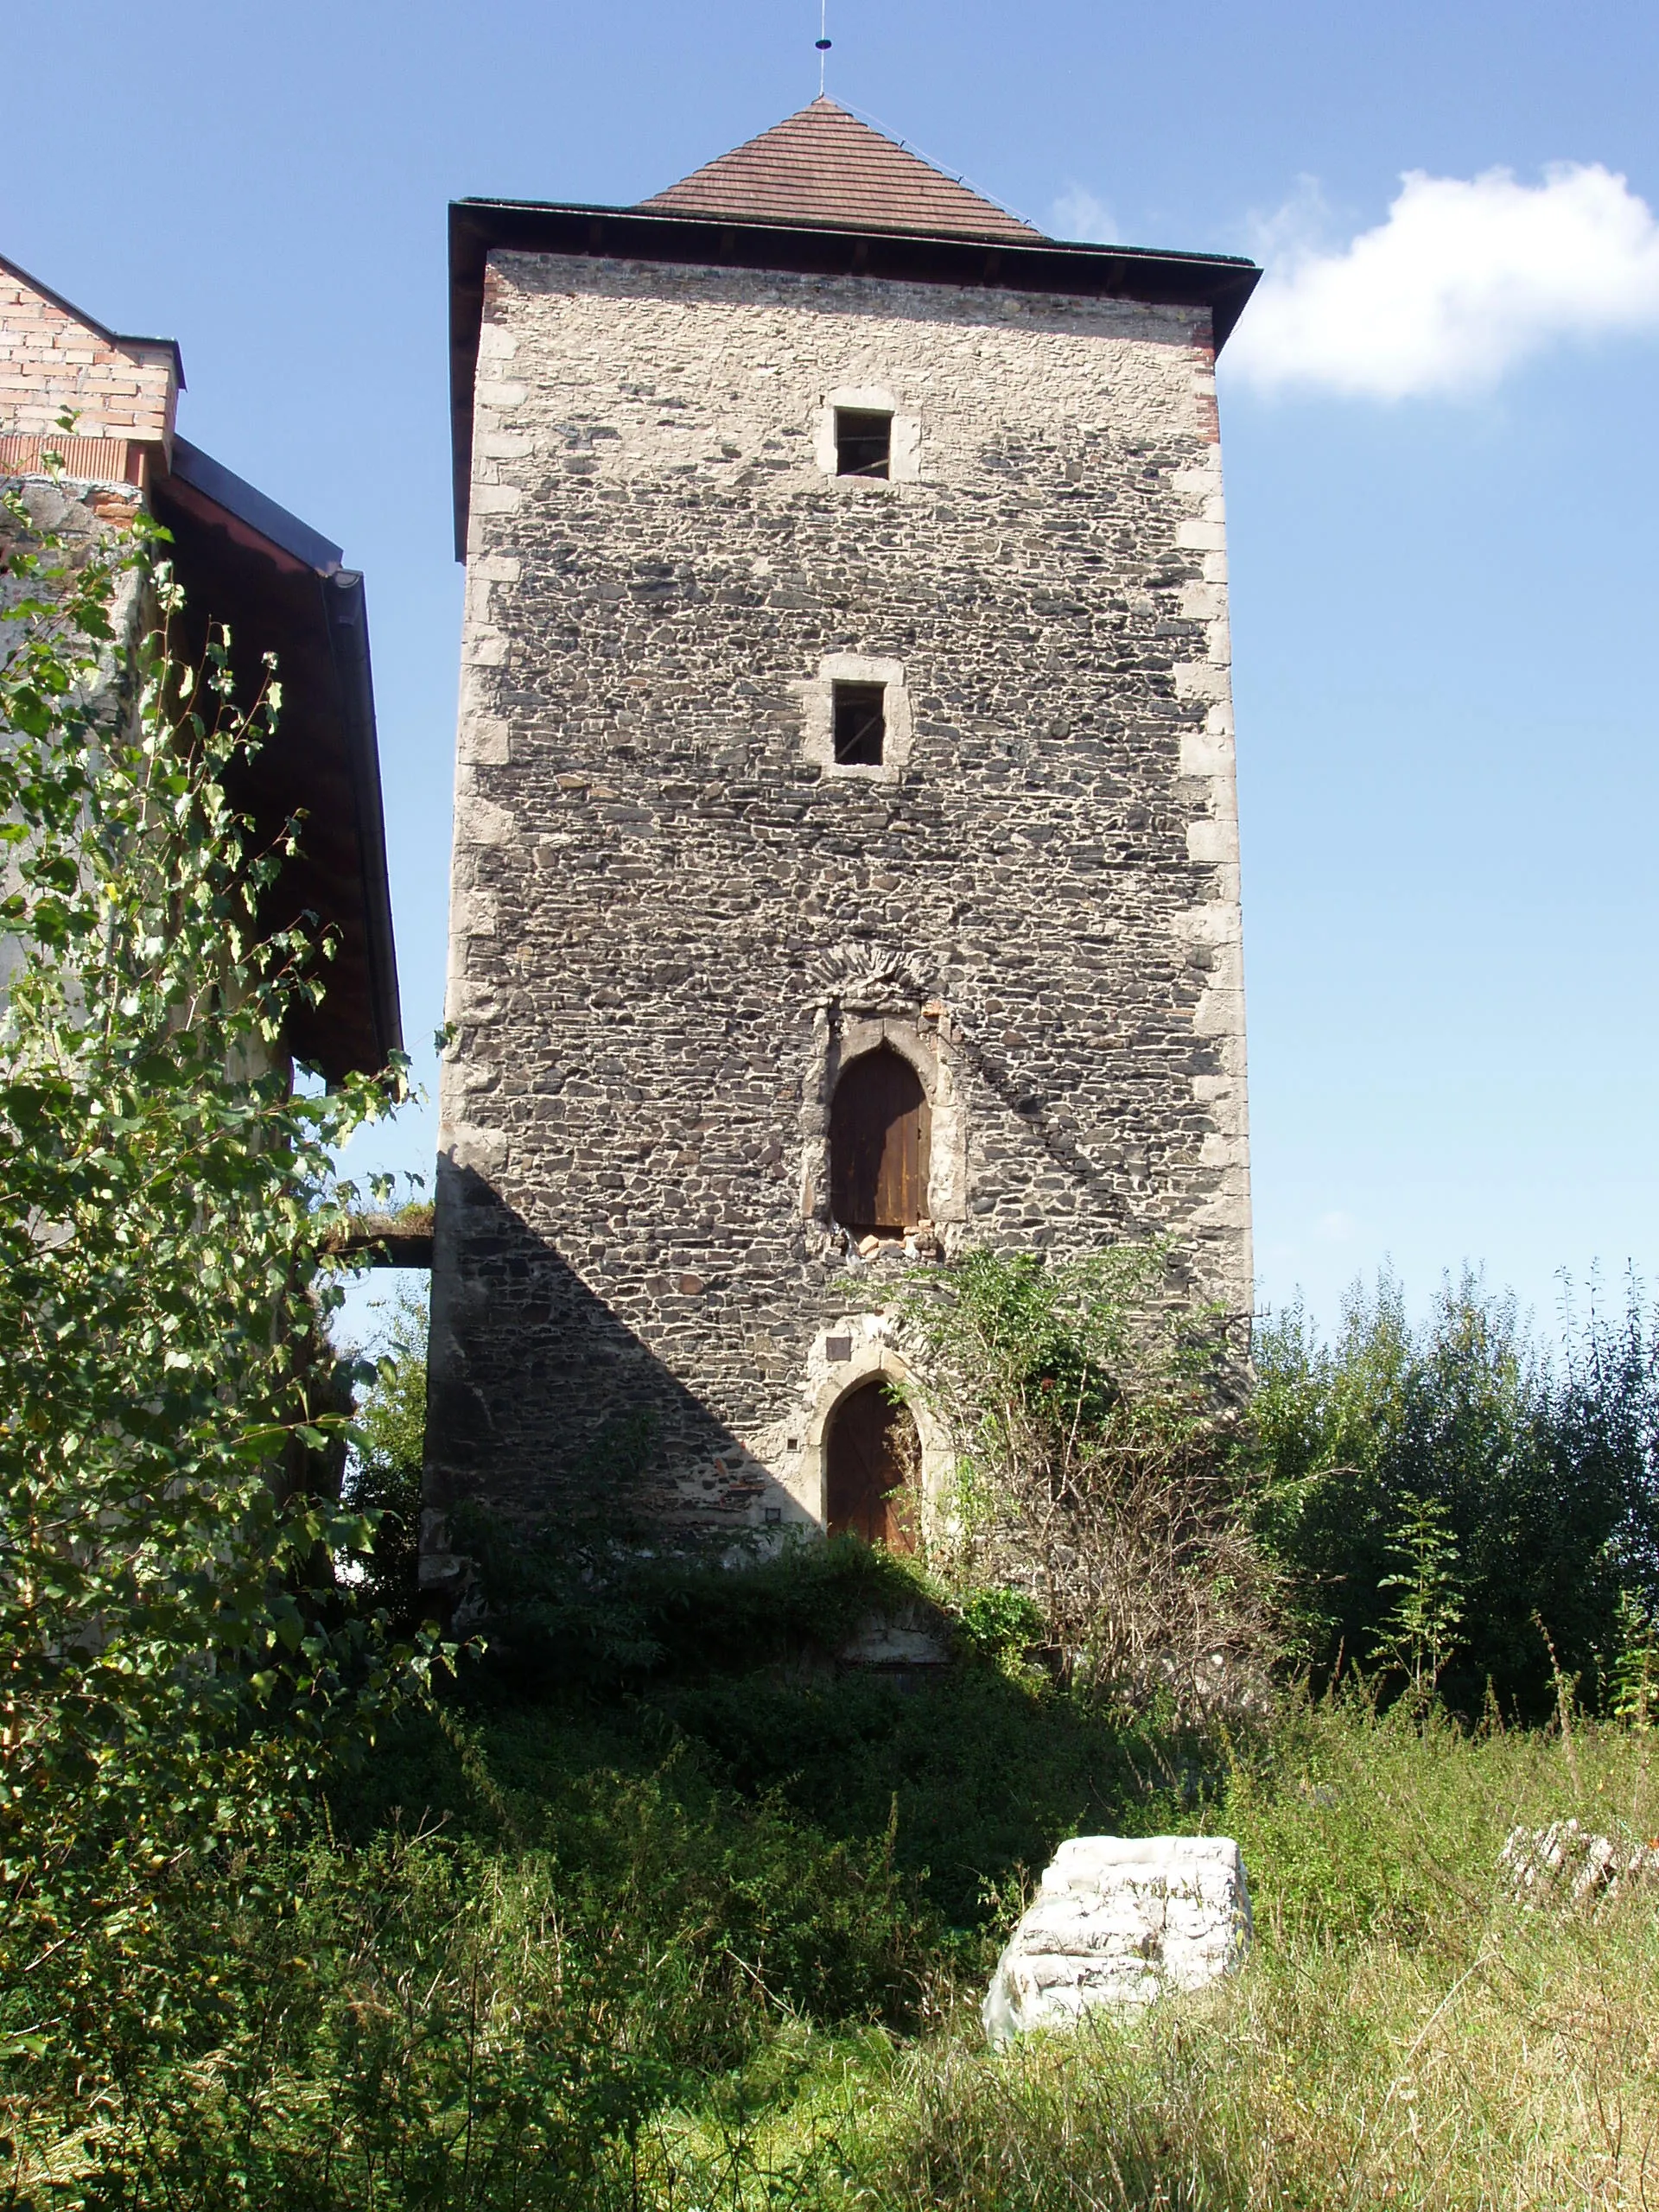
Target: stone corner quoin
<point>675,921</point>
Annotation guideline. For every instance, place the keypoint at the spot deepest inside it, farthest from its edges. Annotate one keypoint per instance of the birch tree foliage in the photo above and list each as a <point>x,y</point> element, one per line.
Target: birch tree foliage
<point>175,1657</point>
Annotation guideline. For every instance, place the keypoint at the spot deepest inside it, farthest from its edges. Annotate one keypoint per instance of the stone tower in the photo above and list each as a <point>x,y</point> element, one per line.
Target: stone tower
<point>846,860</point>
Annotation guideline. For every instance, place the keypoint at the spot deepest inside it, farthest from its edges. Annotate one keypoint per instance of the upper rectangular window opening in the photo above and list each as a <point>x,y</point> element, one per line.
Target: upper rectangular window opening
<point>863,442</point>
<point>859,724</point>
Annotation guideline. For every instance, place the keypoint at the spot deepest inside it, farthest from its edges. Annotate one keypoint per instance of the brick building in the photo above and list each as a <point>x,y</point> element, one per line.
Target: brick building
<point>280,586</point>
<point>845,858</point>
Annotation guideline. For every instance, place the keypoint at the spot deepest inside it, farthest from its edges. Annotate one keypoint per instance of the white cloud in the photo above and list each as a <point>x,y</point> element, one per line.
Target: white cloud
<point>1077,215</point>
<point>1467,277</point>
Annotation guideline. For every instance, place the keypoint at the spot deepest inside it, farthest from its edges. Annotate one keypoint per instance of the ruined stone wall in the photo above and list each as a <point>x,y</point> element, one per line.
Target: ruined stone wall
<point>671,921</point>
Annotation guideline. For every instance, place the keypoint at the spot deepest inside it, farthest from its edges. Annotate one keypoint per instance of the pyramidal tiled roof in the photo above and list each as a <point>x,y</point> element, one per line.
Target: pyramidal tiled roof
<point>822,165</point>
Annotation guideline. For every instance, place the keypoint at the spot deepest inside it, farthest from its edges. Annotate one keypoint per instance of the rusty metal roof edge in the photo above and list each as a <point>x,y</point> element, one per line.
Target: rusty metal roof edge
<point>346,610</point>
<point>342,603</point>
<point>257,509</point>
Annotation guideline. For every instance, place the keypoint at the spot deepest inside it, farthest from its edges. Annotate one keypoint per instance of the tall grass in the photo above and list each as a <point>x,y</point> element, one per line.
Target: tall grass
<point>604,1989</point>
<point>669,1915</point>
<point>1405,2033</point>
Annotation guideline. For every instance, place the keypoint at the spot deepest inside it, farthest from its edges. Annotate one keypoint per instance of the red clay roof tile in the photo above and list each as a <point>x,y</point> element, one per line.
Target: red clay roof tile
<point>822,166</point>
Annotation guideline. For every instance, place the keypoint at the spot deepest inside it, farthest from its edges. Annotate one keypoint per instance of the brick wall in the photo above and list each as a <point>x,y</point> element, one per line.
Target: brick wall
<point>671,923</point>
<point>124,391</point>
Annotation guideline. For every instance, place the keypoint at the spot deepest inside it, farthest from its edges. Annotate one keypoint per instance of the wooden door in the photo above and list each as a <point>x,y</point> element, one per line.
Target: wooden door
<point>879,1140</point>
<point>872,1455</point>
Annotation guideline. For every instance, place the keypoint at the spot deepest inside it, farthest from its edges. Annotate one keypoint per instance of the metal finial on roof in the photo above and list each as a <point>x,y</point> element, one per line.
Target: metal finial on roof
<point>824,41</point>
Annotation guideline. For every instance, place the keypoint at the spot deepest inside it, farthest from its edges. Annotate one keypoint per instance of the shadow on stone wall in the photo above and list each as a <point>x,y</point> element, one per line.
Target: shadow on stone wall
<point>543,1405</point>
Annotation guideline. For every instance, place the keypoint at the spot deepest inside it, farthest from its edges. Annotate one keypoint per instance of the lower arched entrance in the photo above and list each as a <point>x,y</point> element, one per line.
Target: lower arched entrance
<point>872,1458</point>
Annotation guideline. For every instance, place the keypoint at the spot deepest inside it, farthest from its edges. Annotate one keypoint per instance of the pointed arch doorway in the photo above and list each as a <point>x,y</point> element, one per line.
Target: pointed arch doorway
<point>881,1145</point>
<point>872,1469</point>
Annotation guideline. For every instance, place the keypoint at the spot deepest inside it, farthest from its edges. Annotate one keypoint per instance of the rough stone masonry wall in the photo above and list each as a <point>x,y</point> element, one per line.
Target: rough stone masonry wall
<point>669,921</point>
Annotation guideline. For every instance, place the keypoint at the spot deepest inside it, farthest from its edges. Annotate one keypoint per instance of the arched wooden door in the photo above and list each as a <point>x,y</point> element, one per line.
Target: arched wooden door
<point>880,1143</point>
<point>872,1465</point>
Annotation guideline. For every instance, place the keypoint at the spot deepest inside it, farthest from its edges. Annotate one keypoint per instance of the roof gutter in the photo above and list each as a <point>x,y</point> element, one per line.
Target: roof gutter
<point>246,503</point>
<point>1221,282</point>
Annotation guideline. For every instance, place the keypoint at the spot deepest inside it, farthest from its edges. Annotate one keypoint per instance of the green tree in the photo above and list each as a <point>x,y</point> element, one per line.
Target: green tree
<point>383,1477</point>
<point>174,1658</point>
<point>1542,1474</point>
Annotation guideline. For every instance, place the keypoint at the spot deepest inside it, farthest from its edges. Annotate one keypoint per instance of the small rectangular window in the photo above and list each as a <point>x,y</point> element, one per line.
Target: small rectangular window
<point>863,442</point>
<point>860,724</point>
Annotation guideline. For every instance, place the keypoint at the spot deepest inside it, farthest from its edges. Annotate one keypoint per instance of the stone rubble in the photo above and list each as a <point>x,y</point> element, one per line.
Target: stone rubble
<point>1119,1922</point>
<point>1568,1864</point>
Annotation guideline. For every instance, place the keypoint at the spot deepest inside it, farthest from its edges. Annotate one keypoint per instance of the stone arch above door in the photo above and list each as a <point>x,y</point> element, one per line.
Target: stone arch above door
<point>849,1357</point>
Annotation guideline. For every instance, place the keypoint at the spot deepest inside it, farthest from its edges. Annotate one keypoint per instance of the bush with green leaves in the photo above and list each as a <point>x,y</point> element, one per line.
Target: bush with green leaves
<point>489,1999</point>
<point>176,1664</point>
<point>1446,1496</point>
<point>1093,1412</point>
<point>383,1472</point>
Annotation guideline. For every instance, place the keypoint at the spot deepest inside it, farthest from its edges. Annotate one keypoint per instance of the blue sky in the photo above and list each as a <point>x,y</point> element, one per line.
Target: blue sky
<point>1444,587</point>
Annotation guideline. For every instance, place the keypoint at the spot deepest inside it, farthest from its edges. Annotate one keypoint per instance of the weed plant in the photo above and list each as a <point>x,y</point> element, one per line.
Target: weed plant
<point>578,1955</point>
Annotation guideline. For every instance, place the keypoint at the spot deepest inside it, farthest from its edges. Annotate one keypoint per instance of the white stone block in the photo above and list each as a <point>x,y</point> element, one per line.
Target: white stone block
<point>485,1151</point>
<point>1220,1014</point>
<point>1216,922</point>
<point>486,739</point>
<point>1211,842</point>
<point>1201,679</point>
<point>1118,1922</point>
<point>1203,602</point>
<point>481,822</point>
<point>1206,752</point>
<point>1201,483</point>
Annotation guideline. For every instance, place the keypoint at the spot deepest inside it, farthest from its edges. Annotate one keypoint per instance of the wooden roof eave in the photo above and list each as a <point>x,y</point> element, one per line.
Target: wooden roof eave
<point>281,586</point>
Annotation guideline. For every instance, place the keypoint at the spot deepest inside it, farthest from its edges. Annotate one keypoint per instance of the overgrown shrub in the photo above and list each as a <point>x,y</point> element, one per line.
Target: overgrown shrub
<point>485,2012</point>
<point>1094,1413</point>
<point>1540,1478</point>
